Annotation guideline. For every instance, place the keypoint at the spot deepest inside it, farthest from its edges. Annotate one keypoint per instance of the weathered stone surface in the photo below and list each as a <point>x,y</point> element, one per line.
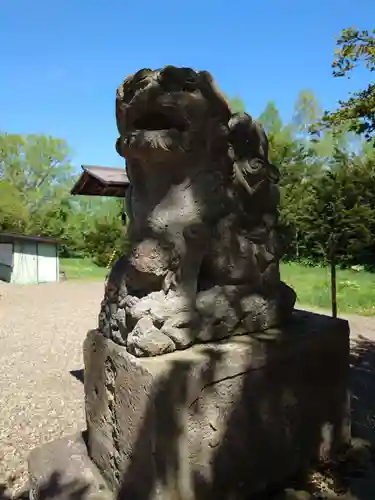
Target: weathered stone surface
<point>203,208</point>
<point>181,329</point>
<point>158,306</point>
<point>146,338</point>
<point>217,420</point>
<point>62,470</point>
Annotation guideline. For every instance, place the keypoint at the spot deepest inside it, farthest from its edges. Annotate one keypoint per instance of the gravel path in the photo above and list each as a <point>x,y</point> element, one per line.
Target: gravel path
<point>42,328</point>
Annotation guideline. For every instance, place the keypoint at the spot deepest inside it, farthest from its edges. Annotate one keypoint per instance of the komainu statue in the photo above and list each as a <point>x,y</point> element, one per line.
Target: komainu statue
<point>202,207</point>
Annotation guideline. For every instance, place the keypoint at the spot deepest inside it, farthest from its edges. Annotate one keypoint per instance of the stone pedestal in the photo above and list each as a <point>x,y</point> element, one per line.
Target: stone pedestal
<point>217,421</point>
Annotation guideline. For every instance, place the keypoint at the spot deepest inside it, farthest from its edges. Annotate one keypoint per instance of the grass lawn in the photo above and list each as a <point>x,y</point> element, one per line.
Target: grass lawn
<point>82,269</point>
<point>355,290</point>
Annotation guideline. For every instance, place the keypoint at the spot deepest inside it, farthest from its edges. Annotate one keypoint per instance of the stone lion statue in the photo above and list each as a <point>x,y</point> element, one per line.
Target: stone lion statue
<point>202,207</point>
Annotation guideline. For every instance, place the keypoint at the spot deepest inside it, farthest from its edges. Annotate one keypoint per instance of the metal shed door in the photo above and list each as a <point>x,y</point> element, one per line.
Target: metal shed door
<point>6,261</point>
<point>47,263</point>
<point>25,263</point>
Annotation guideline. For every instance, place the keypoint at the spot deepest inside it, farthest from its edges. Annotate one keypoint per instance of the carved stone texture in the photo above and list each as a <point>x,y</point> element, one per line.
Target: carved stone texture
<point>202,207</point>
<point>218,420</point>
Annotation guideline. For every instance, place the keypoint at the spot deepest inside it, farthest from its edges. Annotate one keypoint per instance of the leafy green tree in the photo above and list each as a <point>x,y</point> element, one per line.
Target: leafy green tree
<point>283,147</point>
<point>306,117</point>
<point>13,214</point>
<point>270,119</point>
<point>236,104</point>
<point>308,193</point>
<point>307,111</point>
<point>355,47</point>
<point>293,158</point>
<point>340,208</point>
<point>107,238</point>
<point>35,181</point>
<point>38,168</point>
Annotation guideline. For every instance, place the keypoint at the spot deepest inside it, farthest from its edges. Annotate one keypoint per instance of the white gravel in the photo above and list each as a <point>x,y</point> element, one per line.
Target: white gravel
<point>42,328</point>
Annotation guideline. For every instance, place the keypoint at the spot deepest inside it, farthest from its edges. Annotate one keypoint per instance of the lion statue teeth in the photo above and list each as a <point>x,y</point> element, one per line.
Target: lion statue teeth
<point>202,207</point>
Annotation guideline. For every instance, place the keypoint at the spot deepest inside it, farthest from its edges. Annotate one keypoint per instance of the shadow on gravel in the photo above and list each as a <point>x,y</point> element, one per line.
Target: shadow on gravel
<point>362,381</point>
<point>5,494</point>
<point>53,488</point>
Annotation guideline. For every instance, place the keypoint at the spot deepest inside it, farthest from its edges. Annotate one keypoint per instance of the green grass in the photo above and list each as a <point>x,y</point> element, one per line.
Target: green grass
<point>355,290</point>
<point>82,269</point>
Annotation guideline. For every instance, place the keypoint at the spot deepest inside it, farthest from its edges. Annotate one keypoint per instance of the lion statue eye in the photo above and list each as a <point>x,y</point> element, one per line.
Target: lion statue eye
<point>189,75</point>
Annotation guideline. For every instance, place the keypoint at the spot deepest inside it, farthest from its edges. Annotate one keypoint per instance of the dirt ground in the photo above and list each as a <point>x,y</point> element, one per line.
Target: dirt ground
<point>42,328</point>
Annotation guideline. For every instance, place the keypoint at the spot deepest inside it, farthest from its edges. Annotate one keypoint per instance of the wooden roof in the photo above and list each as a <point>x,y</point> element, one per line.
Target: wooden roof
<point>101,181</point>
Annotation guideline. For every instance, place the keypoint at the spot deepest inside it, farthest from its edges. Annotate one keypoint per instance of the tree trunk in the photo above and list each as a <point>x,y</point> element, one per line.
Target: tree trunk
<point>332,260</point>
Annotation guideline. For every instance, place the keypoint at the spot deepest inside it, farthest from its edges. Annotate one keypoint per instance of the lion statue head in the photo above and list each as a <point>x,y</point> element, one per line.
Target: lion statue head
<point>169,110</point>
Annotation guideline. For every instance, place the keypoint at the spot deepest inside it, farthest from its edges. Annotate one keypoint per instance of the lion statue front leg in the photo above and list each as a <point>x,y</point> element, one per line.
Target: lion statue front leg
<point>150,302</point>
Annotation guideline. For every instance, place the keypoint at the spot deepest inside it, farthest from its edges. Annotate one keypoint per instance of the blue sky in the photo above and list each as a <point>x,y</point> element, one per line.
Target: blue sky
<point>62,60</point>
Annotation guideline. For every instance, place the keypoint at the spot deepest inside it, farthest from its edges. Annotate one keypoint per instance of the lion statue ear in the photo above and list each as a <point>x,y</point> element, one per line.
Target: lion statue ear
<point>249,143</point>
<point>247,136</point>
<point>213,94</point>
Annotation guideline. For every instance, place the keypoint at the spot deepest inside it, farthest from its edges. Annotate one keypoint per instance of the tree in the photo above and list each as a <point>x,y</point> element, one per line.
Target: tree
<point>307,111</point>
<point>270,119</point>
<point>282,146</point>
<point>13,214</point>
<point>236,104</point>
<point>354,47</point>
<point>107,237</point>
<point>340,208</point>
<point>39,170</point>
<point>306,117</point>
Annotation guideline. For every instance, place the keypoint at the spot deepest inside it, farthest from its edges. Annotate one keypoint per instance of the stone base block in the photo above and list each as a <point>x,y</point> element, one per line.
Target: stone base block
<point>62,470</point>
<point>218,421</point>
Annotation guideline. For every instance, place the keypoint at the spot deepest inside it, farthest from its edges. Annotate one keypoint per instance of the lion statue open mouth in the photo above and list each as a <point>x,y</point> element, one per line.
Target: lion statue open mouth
<point>167,110</point>
<point>202,207</point>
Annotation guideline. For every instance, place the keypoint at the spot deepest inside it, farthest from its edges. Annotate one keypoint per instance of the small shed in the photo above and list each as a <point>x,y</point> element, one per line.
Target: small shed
<point>101,181</point>
<point>28,259</point>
